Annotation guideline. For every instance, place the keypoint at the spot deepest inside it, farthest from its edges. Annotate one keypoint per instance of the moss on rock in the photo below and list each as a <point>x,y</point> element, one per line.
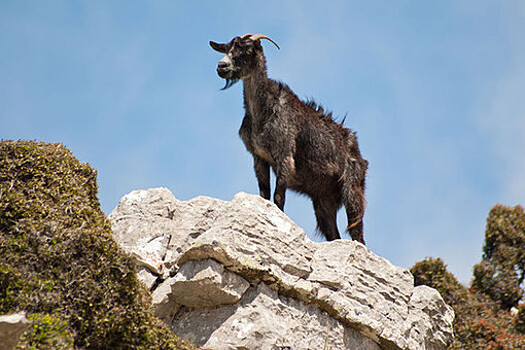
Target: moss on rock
<point>58,261</point>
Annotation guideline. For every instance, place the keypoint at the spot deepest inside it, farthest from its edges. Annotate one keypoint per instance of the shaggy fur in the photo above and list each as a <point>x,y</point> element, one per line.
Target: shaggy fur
<point>308,151</point>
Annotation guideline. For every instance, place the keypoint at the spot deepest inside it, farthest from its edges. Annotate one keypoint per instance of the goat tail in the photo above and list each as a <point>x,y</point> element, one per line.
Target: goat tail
<point>353,182</point>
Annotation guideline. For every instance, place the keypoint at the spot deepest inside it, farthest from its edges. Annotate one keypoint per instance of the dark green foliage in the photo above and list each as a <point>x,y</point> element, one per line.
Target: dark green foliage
<point>500,284</point>
<point>433,273</point>
<point>483,316</point>
<point>479,322</point>
<point>58,261</point>
<point>520,319</point>
<point>501,272</point>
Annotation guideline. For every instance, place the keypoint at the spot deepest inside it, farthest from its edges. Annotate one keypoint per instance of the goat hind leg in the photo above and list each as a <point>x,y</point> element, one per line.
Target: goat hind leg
<point>356,231</point>
<point>326,215</point>
<point>279,195</point>
<point>355,208</point>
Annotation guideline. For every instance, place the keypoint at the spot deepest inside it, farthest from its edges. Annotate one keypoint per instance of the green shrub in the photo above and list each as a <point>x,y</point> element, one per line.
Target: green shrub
<point>479,322</point>
<point>483,315</point>
<point>58,261</point>
<point>520,319</point>
<point>502,270</point>
<point>433,273</point>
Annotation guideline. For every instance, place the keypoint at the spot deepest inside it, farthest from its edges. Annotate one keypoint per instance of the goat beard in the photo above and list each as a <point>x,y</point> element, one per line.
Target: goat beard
<point>229,83</point>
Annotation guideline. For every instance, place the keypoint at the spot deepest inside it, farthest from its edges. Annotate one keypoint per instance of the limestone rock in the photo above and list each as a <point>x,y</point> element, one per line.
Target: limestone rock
<point>145,229</point>
<point>214,249</point>
<point>428,303</point>
<point>164,304</point>
<point>265,320</point>
<point>147,277</point>
<point>205,283</point>
<point>11,328</point>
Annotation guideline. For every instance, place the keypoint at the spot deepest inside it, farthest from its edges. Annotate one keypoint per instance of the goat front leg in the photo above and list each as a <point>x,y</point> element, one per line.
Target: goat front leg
<point>283,173</point>
<point>279,195</point>
<point>262,172</point>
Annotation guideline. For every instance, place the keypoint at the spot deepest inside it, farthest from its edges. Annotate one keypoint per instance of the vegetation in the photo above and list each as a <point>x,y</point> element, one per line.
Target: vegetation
<point>488,314</point>
<point>59,263</point>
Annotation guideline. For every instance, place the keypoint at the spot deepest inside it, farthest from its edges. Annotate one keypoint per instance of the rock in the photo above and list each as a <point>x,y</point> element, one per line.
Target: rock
<point>164,304</point>
<point>205,283</point>
<point>11,328</point>
<point>215,249</point>
<point>428,303</point>
<point>265,320</point>
<point>147,277</point>
<point>145,230</point>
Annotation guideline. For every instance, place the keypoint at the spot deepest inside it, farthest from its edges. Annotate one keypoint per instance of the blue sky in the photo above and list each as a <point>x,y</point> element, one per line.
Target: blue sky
<point>434,90</point>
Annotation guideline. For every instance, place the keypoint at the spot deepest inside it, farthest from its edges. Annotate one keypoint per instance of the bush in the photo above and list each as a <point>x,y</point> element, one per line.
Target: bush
<point>484,315</point>
<point>502,270</point>
<point>520,319</point>
<point>58,261</point>
<point>501,285</point>
<point>433,273</point>
<point>480,322</point>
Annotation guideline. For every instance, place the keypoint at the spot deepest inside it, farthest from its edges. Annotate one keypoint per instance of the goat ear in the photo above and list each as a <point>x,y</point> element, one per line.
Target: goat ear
<point>222,48</point>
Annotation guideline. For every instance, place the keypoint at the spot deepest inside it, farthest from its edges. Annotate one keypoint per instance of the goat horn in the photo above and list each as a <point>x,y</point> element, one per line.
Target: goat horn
<point>261,36</point>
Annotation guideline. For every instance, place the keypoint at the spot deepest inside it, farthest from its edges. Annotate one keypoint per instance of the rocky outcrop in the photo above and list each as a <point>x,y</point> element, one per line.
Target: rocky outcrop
<point>242,275</point>
<point>11,328</point>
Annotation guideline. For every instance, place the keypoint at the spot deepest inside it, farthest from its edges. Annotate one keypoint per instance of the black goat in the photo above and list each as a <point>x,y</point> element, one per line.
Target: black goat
<point>308,151</point>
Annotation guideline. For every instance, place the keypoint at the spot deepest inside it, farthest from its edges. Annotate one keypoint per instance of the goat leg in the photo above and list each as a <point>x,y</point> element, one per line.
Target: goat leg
<point>262,172</point>
<point>279,195</point>
<point>326,214</point>
<point>283,171</point>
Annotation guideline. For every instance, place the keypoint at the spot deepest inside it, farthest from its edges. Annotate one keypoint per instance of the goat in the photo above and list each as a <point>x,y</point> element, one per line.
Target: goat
<point>308,151</point>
